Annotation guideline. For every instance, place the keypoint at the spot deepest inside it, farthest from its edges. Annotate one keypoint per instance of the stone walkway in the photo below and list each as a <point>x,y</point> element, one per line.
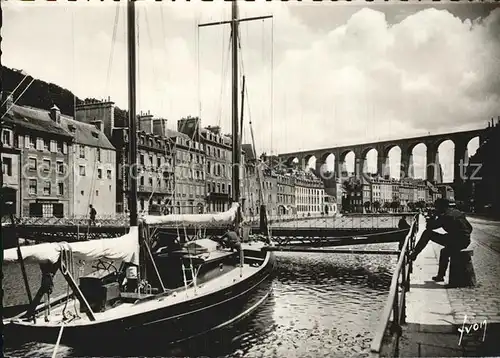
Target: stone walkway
<point>435,313</point>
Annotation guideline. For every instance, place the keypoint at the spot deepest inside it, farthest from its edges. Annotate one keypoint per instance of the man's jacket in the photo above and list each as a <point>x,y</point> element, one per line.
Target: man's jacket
<point>454,222</point>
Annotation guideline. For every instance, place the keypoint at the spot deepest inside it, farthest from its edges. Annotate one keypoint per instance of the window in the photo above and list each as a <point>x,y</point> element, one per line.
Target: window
<point>141,182</point>
<point>99,173</point>
<point>47,210</point>
<point>46,188</point>
<point>97,193</point>
<point>150,181</point>
<point>32,186</point>
<point>151,161</point>
<point>141,159</point>
<point>60,147</point>
<point>6,135</point>
<point>60,167</point>
<point>7,166</point>
<point>158,162</point>
<point>32,163</point>
<point>46,145</point>
<point>46,165</point>
<point>82,170</point>
<point>98,154</point>
<point>82,151</point>
<point>108,173</point>
<point>32,143</point>
<point>60,188</point>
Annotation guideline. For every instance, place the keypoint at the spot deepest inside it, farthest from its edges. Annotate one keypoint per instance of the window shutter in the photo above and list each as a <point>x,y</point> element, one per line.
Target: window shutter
<point>65,148</point>
<point>26,141</point>
<point>58,210</point>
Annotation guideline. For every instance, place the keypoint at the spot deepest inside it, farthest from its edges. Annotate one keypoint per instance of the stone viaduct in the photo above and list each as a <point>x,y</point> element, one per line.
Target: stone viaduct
<point>432,142</point>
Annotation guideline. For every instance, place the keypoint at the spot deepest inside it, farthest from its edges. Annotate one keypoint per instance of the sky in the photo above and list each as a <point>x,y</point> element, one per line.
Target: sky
<point>317,74</point>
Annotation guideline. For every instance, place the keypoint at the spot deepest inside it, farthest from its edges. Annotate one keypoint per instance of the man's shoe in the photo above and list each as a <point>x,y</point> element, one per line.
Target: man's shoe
<point>438,278</point>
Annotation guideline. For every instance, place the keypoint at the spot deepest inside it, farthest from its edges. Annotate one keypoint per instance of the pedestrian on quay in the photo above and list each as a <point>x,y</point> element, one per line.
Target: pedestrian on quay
<point>456,238</point>
<point>93,214</point>
<point>403,224</point>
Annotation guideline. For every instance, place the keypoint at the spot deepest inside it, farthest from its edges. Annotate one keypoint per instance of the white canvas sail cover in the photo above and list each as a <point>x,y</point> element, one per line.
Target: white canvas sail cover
<point>225,218</point>
<point>125,248</point>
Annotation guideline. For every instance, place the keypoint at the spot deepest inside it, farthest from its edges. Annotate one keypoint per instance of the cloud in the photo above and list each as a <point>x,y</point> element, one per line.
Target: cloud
<point>360,81</point>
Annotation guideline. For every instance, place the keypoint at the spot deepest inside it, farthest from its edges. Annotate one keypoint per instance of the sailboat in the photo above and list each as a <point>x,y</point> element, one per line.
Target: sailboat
<point>178,290</point>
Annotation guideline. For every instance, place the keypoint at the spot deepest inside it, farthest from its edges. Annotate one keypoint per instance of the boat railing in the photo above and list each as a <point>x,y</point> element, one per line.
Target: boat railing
<point>395,305</point>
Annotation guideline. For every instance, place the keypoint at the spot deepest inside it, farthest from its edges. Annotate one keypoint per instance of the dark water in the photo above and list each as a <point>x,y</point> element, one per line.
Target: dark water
<point>322,305</point>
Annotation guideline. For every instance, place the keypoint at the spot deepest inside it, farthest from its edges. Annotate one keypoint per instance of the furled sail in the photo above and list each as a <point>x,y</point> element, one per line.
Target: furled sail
<point>225,218</point>
<point>125,248</point>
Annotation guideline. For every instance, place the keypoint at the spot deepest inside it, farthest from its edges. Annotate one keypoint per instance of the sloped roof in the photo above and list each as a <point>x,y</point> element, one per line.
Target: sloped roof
<point>35,119</point>
<point>86,133</point>
<point>171,133</point>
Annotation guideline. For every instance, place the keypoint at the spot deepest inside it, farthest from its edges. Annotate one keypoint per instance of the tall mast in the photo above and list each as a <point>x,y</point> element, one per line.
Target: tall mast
<point>132,127</point>
<point>234,117</point>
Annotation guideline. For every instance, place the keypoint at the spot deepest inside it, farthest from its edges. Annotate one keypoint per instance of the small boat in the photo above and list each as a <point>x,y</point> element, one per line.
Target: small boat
<point>173,287</point>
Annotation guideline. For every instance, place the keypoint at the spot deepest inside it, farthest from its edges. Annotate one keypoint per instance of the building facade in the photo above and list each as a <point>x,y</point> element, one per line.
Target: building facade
<point>309,195</point>
<point>94,160</point>
<point>285,196</point>
<point>11,170</point>
<point>45,179</point>
<point>218,168</point>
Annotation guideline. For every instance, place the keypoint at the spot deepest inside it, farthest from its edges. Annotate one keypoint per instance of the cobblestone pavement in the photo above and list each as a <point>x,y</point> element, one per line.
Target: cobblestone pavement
<point>435,313</point>
<point>483,301</point>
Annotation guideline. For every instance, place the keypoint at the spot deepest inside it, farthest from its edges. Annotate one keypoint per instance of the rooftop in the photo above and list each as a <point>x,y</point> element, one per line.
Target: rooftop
<point>35,119</point>
<point>86,134</point>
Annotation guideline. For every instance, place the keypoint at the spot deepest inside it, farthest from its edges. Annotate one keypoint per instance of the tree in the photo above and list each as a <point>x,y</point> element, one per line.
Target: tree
<point>395,205</point>
<point>376,205</point>
<point>367,205</point>
<point>411,206</point>
<point>421,204</point>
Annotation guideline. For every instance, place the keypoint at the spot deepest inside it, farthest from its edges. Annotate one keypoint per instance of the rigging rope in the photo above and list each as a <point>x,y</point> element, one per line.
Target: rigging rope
<point>15,89</point>
<point>18,98</point>
<point>138,57</point>
<point>113,41</point>
<point>272,82</point>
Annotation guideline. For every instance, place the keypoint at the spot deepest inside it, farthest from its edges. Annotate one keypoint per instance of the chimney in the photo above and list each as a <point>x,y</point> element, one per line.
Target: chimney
<point>160,126</point>
<point>55,114</point>
<point>7,101</point>
<point>146,123</point>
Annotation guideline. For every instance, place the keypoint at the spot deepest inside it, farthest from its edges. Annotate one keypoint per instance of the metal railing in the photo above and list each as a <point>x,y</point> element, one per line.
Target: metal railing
<point>395,306</point>
<point>101,220</point>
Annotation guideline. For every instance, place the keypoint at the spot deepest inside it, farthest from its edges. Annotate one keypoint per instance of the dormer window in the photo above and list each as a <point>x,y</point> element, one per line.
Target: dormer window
<point>95,134</point>
<point>72,128</point>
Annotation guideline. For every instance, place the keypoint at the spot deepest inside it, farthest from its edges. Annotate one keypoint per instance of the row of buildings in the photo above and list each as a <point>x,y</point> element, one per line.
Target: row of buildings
<point>57,165</point>
<point>374,193</point>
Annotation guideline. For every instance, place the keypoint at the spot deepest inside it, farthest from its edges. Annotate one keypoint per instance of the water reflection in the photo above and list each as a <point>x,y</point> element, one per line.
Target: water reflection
<point>322,305</point>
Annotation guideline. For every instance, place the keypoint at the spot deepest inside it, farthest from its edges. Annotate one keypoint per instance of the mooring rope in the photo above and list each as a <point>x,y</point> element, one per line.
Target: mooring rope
<point>54,354</point>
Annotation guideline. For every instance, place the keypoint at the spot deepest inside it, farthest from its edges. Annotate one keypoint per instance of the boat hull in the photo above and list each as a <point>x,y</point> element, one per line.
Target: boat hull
<point>172,323</point>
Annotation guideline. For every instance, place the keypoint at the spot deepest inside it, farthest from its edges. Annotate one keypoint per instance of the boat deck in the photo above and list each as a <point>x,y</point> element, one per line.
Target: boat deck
<point>149,304</point>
